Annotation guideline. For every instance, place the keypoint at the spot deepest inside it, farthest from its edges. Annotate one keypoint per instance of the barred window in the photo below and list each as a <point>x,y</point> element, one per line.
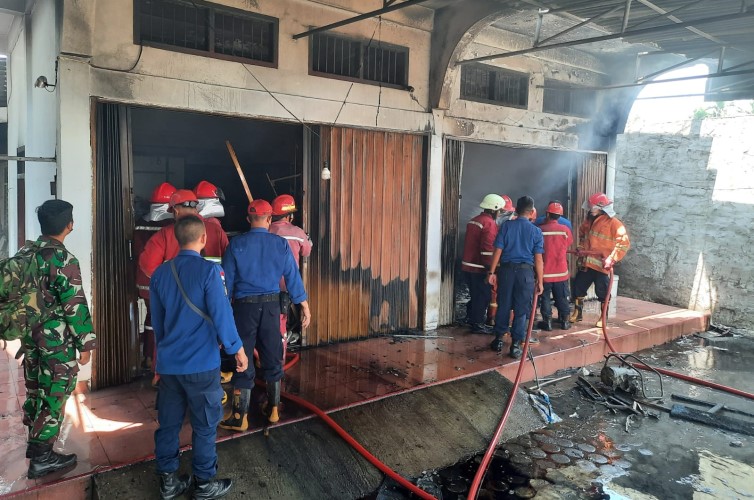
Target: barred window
<point>483,83</point>
<point>358,60</point>
<point>564,99</point>
<point>198,27</point>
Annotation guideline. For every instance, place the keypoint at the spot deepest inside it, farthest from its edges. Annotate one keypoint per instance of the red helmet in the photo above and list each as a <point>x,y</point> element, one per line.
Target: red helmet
<point>182,196</point>
<point>162,193</point>
<point>206,189</point>
<point>508,203</point>
<point>533,215</point>
<point>259,207</point>
<point>555,208</point>
<point>599,200</point>
<point>283,205</point>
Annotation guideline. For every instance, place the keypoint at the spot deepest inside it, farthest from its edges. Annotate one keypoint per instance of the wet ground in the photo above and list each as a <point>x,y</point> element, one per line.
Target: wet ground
<point>596,453</point>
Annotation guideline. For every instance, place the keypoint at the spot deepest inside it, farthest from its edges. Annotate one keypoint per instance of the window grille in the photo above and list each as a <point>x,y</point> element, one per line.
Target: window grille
<point>561,98</point>
<point>359,60</point>
<point>199,27</point>
<point>483,83</point>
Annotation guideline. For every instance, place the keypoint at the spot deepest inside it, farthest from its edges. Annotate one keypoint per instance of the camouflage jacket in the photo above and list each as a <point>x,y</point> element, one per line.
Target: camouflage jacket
<point>66,313</point>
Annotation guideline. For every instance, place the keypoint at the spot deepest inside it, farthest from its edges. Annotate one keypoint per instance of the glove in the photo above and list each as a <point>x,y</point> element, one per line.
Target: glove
<point>607,264</point>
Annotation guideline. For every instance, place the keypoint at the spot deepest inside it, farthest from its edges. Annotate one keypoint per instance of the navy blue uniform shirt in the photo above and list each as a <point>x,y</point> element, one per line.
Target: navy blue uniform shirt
<point>519,240</point>
<point>255,261</point>
<point>187,343</point>
<point>562,220</point>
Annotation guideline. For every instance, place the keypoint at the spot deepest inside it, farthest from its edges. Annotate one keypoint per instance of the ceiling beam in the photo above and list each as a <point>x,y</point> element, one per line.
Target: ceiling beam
<point>15,7</point>
<point>614,36</point>
<point>669,15</point>
<point>361,17</point>
<point>642,84</point>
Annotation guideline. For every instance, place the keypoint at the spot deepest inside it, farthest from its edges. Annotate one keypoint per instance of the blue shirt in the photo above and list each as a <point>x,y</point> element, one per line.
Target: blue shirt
<point>255,261</point>
<point>519,240</point>
<point>561,220</point>
<point>187,343</point>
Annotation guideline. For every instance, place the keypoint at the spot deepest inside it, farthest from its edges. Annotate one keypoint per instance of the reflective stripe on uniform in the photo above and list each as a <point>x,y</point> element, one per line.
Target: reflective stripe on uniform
<point>485,253</point>
<point>464,263</point>
<point>148,228</point>
<point>296,238</point>
<point>477,224</point>
<point>143,287</point>
<point>558,275</point>
<point>554,233</point>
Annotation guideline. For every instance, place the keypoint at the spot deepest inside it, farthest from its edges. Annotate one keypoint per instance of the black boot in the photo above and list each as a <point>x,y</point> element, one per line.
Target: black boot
<point>497,344</point>
<point>565,324</point>
<point>45,461</point>
<point>578,310</point>
<point>273,401</point>
<point>212,488</point>
<point>516,349</point>
<point>546,324</point>
<point>172,485</point>
<point>238,420</point>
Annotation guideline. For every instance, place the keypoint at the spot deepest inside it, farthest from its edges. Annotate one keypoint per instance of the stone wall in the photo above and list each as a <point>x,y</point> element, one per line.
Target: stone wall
<point>688,203</point>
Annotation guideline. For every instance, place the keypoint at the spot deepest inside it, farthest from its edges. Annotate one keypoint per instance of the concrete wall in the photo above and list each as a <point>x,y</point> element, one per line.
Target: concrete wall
<point>686,199</point>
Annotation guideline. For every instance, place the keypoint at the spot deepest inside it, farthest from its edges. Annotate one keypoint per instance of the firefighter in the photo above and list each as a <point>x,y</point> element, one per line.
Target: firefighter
<point>603,242</point>
<point>210,206</point>
<point>518,247</point>
<point>562,220</point>
<point>477,253</point>
<point>159,215</point>
<point>283,208</point>
<point>254,264</point>
<point>557,239</point>
<point>163,246</point>
<point>507,214</point>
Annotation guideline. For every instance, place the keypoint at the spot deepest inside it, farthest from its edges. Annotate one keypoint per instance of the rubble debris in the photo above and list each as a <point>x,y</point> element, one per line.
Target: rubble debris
<point>712,419</point>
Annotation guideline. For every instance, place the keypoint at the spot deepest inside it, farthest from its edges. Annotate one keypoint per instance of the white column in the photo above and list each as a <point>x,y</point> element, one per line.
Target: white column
<point>434,224</point>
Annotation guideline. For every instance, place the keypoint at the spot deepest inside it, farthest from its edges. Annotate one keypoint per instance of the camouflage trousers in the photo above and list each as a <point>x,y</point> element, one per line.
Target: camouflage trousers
<point>50,379</point>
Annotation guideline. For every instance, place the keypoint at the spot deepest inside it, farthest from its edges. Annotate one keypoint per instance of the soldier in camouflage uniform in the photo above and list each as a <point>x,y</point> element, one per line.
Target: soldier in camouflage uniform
<point>50,365</point>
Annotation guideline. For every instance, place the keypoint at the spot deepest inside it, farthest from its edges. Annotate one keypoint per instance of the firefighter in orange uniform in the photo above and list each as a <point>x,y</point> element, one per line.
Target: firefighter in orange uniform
<point>159,215</point>
<point>604,241</point>
<point>477,254</point>
<point>163,246</point>
<point>283,208</point>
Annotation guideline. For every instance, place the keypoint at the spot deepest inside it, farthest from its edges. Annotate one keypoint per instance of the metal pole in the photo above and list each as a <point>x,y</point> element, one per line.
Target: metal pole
<point>641,84</point>
<point>27,159</point>
<point>628,34</point>
<point>358,18</point>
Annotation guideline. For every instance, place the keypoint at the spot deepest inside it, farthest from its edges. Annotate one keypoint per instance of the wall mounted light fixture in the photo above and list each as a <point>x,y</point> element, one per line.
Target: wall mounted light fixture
<point>42,82</point>
<point>326,172</point>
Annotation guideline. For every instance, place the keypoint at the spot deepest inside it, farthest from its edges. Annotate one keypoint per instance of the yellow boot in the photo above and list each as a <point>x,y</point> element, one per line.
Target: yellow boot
<point>578,310</point>
<point>238,420</point>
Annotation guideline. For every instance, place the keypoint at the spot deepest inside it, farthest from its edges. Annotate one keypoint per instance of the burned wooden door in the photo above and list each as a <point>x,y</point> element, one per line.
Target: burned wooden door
<point>113,287</point>
<point>367,225</point>
<point>590,178</point>
<point>451,202</point>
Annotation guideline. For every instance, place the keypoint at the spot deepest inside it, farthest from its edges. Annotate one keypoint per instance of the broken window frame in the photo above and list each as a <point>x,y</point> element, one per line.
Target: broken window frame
<point>495,86</point>
<point>575,102</point>
<point>363,48</point>
<point>213,12</point>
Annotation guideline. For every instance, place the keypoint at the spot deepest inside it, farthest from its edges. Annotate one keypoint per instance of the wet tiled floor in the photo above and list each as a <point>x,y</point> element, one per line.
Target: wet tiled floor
<point>115,426</point>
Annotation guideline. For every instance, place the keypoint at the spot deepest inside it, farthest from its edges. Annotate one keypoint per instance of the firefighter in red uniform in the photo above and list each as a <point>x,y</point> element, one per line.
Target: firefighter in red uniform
<point>163,246</point>
<point>283,208</point>
<point>603,241</point>
<point>477,254</point>
<point>159,215</point>
<point>556,277</point>
<point>507,214</point>
<point>210,207</point>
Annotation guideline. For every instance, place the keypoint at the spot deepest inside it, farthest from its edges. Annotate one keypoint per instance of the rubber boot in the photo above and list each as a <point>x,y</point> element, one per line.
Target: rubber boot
<point>497,344</point>
<point>45,461</point>
<point>172,485</point>
<point>516,349</point>
<point>225,377</point>
<point>273,401</point>
<point>212,488</point>
<point>546,324</point>
<point>239,420</point>
<point>565,324</point>
<point>578,310</point>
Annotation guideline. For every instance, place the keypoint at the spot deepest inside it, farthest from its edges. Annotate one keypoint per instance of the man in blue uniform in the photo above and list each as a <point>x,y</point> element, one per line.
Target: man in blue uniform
<point>521,245</point>
<point>254,263</point>
<point>190,316</point>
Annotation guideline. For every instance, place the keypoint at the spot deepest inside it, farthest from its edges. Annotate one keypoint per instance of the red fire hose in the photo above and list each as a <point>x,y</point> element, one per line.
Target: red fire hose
<point>485,463</point>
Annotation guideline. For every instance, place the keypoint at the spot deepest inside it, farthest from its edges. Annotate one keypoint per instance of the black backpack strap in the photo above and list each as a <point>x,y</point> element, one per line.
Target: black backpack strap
<point>186,297</point>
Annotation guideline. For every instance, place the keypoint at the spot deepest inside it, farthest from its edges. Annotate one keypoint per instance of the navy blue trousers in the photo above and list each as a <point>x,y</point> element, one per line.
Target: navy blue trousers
<point>584,279</point>
<point>202,395</point>
<point>481,293</point>
<point>515,290</point>
<point>559,290</point>
<point>259,327</point>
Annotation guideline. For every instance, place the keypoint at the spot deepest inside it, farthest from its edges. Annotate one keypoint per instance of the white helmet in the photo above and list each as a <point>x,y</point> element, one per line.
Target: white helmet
<point>492,202</point>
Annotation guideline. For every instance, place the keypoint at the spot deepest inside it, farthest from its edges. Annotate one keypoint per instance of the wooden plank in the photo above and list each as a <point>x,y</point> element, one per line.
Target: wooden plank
<point>375,294</point>
<point>418,209</point>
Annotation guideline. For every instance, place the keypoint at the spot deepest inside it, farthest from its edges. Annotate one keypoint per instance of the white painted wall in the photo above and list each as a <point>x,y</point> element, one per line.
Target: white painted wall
<point>18,87</point>
<point>687,200</point>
